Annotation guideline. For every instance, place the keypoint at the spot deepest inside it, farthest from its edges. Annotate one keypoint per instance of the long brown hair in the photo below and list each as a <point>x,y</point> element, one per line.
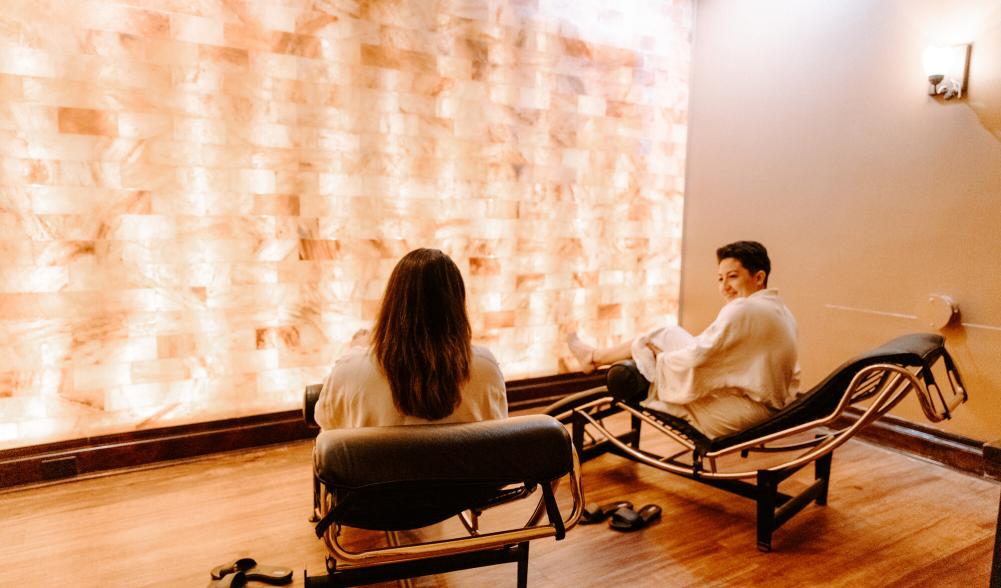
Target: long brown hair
<point>422,338</point>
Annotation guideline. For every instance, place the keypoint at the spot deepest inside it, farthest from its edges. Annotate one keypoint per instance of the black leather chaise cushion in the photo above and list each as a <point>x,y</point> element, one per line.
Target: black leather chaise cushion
<point>914,350</point>
<point>405,477</point>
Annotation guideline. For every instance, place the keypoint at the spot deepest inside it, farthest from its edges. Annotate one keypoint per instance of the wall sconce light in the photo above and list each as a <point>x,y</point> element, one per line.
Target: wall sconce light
<point>946,69</point>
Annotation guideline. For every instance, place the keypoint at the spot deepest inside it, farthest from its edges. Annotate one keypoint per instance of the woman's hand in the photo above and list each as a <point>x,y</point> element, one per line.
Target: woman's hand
<point>656,350</point>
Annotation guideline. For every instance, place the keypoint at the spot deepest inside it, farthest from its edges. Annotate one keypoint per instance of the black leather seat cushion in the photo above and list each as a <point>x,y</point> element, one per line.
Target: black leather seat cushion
<point>914,350</point>
<point>310,396</point>
<point>404,477</point>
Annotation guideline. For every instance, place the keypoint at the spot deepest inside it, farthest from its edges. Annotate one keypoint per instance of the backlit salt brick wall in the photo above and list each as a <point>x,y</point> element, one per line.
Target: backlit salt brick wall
<point>201,200</point>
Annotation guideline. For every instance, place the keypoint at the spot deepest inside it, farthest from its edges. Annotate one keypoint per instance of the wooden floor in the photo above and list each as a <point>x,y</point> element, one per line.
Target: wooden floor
<point>891,521</point>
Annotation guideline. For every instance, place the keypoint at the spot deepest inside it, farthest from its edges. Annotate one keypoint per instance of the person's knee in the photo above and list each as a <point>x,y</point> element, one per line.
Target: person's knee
<point>625,382</point>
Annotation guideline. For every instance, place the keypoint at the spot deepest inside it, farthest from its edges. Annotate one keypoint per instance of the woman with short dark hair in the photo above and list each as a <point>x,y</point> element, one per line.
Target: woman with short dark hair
<point>736,373</point>
<point>421,366</point>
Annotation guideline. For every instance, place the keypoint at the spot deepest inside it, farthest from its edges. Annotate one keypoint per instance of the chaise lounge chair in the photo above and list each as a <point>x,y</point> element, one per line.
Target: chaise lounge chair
<point>407,477</point>
<point>804,432</point>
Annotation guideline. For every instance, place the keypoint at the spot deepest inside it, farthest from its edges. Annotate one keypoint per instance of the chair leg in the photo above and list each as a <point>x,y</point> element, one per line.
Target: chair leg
<point>635,422</point>
<point>822,471</point>
<point>577,432</point>
<point>766,493</point>
<point>523,566</point>
<point>315,516</point>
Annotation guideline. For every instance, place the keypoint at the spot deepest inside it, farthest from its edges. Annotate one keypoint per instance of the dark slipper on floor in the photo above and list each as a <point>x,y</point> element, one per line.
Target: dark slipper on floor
<point>594,513</point>
<point>252,570</point>
<point>627,519</point>
<point>230,580</point>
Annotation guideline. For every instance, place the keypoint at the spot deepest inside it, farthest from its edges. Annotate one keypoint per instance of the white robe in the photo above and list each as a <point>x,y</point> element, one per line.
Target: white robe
<point>357,394</point>
<point>736,373</point>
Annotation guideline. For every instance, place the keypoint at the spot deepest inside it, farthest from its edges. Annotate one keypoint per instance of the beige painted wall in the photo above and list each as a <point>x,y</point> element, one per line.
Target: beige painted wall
<point>811,131</point>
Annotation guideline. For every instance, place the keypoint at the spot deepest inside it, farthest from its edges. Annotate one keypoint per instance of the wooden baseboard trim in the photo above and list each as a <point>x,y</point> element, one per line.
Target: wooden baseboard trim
<point>948,449</point>
<point>79,457</point>
<point>69,459</point>
<point>536,392</point>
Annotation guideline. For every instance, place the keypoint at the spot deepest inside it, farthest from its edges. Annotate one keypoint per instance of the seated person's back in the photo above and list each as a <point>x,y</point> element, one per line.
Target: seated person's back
<point>357,394</point>
<point>420,366</point>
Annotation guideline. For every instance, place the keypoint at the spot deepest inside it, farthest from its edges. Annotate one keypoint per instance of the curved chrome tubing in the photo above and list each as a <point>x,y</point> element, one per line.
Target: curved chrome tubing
<point>347,559</point>
<point>888,383</point>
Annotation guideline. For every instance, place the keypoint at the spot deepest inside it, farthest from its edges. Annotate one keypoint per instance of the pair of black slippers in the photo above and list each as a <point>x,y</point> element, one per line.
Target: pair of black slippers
<point>623,517</point>
<point>239,572</point>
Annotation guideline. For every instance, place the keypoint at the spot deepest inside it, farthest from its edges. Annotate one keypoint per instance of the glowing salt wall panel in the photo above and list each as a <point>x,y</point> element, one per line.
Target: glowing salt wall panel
<point>201,200</point>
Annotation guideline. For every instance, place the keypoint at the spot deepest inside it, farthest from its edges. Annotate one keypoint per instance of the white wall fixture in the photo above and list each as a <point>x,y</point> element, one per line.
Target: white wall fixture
<point>938,311</point>
<point>946,68</point>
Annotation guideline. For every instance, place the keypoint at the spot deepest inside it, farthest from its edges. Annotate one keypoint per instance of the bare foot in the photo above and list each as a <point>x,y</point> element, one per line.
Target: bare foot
<point>582,352</point>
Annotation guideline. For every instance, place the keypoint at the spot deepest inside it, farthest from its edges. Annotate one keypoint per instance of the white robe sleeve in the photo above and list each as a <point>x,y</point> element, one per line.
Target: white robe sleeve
<point>667,339</point>
<point>488,376</point>
<point>329,410</point>
<point>645,360</point>
<point>332,409</point>
<point>678,370</point>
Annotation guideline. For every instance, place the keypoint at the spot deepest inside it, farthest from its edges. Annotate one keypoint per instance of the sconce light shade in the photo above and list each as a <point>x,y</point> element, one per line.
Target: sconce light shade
<point>936,60</point>
<point>946,70</point>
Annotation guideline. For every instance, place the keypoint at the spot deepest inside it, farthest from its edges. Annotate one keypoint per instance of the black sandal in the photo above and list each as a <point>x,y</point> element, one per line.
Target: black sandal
<point>593,513</point>
<point>251,570</point>
<point>627,519</point>
<point>229,580</point>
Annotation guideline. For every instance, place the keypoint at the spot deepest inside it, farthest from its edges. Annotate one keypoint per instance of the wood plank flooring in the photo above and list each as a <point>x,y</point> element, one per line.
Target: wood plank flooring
<point>891,521</point>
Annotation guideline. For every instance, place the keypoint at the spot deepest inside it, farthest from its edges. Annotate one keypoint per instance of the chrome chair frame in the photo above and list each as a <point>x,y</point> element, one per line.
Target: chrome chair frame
<point>348,567</point>
<point>348,559</point>
<point>881,385</point>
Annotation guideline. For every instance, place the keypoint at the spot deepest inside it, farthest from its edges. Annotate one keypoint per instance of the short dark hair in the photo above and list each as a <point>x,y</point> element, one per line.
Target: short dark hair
<point>751,254</point>
<point>422,338</point>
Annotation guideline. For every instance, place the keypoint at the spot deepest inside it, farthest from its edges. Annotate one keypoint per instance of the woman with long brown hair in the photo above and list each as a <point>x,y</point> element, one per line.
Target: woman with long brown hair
<point>420,365</point>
